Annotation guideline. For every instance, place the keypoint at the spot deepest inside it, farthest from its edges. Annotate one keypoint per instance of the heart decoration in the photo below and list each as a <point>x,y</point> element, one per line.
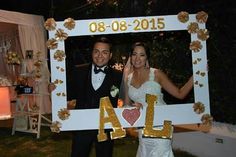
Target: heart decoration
<point>202,74</point>
<point>131,115</point>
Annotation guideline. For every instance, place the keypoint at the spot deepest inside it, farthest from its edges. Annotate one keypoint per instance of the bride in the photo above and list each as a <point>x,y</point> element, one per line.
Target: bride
<point>139,80</point>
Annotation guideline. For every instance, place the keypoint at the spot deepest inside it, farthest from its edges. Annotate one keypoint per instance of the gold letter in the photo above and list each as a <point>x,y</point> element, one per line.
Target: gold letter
<point>118,131</point>
<point>166,132</point>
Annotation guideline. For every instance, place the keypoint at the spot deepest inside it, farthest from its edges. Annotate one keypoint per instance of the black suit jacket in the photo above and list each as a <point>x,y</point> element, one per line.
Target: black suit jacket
<point>80,87</point>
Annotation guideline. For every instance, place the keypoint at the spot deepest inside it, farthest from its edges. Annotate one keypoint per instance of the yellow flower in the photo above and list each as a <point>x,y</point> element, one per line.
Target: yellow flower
<point>202,17</point>
<point>61,35</point>
<point>203,34</point>
<point>52,43</point>
<point>195,46</point>
<point>4,81</point>
<point>183,16</point>
<point>13,58</point>
<point>69,23</point>
<point>63,114</point>
<point>207,119</point>
<point>193,27</point>
<point>59,55</point>
<point>198,107</point>
<point>55,126</point>
<point>50,24</point>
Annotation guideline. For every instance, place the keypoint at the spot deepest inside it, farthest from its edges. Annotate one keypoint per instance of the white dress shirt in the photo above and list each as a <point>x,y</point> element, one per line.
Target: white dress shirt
<point>97,79</point>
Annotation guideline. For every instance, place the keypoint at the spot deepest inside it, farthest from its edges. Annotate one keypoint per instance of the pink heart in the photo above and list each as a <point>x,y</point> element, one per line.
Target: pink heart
<point>131,115</point>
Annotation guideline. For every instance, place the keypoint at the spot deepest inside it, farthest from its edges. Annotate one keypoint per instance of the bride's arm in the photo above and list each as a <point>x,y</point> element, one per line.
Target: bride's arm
<point>171,88</point>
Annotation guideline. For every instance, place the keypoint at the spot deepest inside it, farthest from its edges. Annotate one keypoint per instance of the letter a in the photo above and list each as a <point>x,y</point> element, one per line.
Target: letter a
<point>118,131</point>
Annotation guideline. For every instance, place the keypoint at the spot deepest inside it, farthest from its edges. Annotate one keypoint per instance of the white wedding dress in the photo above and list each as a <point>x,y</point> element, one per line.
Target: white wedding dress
<point>149,147</point>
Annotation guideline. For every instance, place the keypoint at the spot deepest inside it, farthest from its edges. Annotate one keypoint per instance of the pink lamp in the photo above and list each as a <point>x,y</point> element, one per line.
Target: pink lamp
<point>5,104</point>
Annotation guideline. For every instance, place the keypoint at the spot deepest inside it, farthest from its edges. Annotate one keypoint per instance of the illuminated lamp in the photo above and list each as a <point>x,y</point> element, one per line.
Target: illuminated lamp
<point>5,104</point>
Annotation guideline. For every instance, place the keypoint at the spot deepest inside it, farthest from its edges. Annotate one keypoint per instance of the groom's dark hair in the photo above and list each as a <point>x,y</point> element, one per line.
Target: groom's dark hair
<point>103,39</point>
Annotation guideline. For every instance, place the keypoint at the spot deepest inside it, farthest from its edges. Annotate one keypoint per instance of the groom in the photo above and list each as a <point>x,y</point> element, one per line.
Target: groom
<point>92,82</point>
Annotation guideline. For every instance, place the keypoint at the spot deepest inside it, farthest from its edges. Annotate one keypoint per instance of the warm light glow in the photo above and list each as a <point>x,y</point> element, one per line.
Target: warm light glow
<point>5,105</point>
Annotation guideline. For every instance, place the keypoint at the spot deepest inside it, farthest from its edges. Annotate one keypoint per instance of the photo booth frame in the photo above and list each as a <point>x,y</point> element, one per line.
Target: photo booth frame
<point>88,119</point>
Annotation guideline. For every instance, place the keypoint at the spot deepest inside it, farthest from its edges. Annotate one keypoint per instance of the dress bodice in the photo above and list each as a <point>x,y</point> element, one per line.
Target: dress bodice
<point>148,87</point>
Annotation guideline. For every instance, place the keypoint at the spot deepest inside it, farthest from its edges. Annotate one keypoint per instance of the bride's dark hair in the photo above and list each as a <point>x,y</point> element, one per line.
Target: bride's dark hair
<point>144,45</point>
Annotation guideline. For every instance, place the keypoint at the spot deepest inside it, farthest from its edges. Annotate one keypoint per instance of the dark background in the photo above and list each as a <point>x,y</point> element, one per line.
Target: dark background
<point>221,46</point>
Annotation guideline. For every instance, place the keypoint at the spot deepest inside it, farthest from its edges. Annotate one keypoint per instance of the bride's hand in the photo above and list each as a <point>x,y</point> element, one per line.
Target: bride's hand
<point>128,67</point>
<point>137,105</point>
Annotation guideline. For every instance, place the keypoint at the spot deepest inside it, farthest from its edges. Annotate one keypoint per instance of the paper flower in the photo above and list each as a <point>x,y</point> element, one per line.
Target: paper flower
<point>4,81</point>
<point>198,107</point>
<point>118,66</point>
<point>114,91</point>
<point>202,17</point>
<point>13,58</point>
<point>183,16</point>
<point>207,119</point>
<point>55,127</point>
<point>50,24</point>
<point>63,114</point>
<point>38,63</point>
<point>59,55</point>
<point>203,34</point>
<point>193,27</point>
<point>61,35</point>
<point>195,46</point>
<point>69,23</point>
<point>52,43</point>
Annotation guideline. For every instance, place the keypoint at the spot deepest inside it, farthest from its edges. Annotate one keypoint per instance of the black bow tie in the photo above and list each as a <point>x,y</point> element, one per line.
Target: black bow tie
<point>98,70</point>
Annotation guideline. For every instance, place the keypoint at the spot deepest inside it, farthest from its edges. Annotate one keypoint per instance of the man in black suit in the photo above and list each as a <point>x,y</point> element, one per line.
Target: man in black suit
<point>90,83</point>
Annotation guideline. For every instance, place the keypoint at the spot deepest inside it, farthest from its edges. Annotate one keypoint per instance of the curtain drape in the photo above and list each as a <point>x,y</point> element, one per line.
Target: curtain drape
<point>32,36</point>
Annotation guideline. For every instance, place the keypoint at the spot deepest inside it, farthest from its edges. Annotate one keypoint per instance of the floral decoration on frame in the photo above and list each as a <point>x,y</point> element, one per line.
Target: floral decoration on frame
<point>193,27</point>
<point>59,55</point>
<point>203,34</point>
<point>198,107</point>
<point>61,35</point>
<point>183,16</point>
<point>52,44</point>
<point>195,46</point>
<point>56,127</point>
<point>50,24</point>
<point>207,119</point>
<point>69,23</point>
<point>202,17</point>
<point>64,114</point>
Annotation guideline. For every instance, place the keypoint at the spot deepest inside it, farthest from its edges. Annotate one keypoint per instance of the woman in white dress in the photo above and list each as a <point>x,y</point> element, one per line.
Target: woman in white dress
<point>140,80</point>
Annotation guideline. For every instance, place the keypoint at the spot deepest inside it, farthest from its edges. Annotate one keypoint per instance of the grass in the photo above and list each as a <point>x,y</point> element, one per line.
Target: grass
<point>58,145</point>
